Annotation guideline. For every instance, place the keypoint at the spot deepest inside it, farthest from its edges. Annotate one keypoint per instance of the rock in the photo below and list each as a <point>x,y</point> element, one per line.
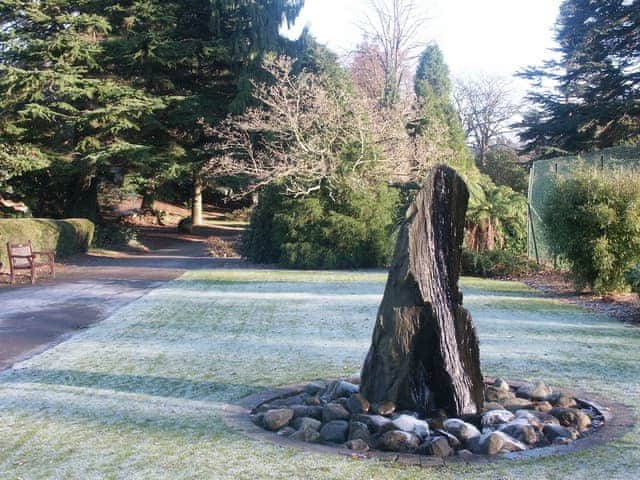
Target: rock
<point>341,401</point>
<point>494,442</point>
<point>276,419</point>
<point>424,343</point>
<point>521,431</point>
<point>343,389</point>
<point>437,447</point>
<point>462,430</point>
<point>257,419</point>
<point>313,401</point>
<point>552,432</point>
<point>452,439</point>
<point>308,436</point>
<point>398,441</point>
<point>543,418</point>
<point>544,407</point>
<point>306,423</point>
<point>335,431</point>
<point>488,406</point>
<point>307,411</point>
<point>334,411</point>
<point>492,394</point>
<point>357,445</point>
<point>496,417</point>
<point>359,431</point>
<point>314,388</point>
<point>385,409</point>
<point>355,379</point>
<point>286,431</point>
<point>570,417</point>
<point>357,404</point>
<point>538,391</point>
<point>500,384</point>
<point>408,423</point>
<point>514,404</point>
<point>565,401</point>
<point>288,402</point>
<point>375,423</point>
<point>562,441</point>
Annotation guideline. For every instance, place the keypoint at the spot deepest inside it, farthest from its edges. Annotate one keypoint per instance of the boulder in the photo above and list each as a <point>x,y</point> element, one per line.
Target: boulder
<point>276,419</point>
<point>488,406</point>
<point>565,401</point>
<point>355,379</point>
<point>308,436</point>
<point>437,447</point>
<point>286,431</point>
<point>493,443</point>
<point>357,445</point>
<point>315,387</point>
<point>452,439</point>
<point>307,411</point>
<point>521,431</point>
<point>335,431</point>
<point>313,401</point>
<point>385,408</point>
<point>552,432</point>
<point>538,391</point>
<point>334,411</point>
<point>463,431</point>
<point>569,417</point>
<point>306,423</point>
<point>514,404</point>
<point>398,441</point>
<point>500,384</point>
<point>411,424</point>
<point>357,404</point>
<point>492,394</point>
<point>496,417</point>
<point>375,423</point>
<point>359,431</point>
<point>343,389</point>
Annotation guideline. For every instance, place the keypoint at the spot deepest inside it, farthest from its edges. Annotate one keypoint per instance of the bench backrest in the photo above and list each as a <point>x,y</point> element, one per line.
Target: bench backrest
<point>18,250</point>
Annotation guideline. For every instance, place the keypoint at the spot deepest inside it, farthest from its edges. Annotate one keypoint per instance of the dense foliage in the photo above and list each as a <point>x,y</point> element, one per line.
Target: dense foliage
<point>593,222</point>
<point>348,227</point>
<point>596,80</point>
<point>65,237</point>
<point>504,167</point>
<point>108,88</point>
<point>496,263</point>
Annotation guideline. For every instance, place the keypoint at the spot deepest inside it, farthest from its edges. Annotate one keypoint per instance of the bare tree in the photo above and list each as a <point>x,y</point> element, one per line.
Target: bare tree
<point>298,135</point>
<point>486,110</point>
<point>391,31</point>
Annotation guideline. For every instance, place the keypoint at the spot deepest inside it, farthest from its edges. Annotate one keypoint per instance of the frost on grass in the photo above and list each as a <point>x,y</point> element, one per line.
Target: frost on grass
<point>138,395</point>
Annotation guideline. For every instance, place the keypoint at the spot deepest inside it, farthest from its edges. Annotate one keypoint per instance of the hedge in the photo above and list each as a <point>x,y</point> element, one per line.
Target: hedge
<point>66,237</point>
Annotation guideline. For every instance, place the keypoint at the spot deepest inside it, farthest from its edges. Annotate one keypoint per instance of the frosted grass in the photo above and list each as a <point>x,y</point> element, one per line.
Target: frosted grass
<point>138,395</point>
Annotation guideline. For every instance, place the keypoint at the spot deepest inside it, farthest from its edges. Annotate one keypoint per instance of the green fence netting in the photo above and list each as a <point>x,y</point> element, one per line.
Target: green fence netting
<point>541,178</point>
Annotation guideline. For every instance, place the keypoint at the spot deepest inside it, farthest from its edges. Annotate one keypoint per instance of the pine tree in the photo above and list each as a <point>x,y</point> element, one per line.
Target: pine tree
<point>437,119</point>
<point>101,84</point>
<point>597,82</point>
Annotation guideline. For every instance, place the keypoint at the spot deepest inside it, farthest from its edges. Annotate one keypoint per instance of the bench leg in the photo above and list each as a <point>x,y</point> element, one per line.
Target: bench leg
<point>33,274</point>
<point>53,269</point>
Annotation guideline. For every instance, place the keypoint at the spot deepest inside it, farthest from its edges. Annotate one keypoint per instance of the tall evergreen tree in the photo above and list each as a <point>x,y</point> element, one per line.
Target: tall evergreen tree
<point>594,101</point>
<point>437,119</point>
<point>103,84</point>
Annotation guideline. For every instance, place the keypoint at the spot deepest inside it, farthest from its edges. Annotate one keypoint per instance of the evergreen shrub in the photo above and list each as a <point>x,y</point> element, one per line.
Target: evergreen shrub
<point>592,220</point>
<point>347,227</point>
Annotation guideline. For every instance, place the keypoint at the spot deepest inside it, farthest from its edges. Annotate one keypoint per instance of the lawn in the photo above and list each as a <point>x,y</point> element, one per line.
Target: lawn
<point>139,395</point>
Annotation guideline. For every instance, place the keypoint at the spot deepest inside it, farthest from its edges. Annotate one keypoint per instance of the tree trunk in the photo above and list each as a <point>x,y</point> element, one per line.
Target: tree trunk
<point>196,201</point>
<point>147,200</point>
<point>424,354</point>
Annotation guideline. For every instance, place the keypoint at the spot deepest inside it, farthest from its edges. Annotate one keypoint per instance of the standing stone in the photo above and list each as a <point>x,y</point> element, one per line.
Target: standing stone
<point>424,353</point>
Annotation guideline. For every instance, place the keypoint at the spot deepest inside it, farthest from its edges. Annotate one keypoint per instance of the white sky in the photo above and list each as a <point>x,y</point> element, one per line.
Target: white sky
<point>496,37</point>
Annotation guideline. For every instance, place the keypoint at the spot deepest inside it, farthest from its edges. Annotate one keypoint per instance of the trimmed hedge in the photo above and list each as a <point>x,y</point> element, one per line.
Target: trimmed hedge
<point>66,237</point>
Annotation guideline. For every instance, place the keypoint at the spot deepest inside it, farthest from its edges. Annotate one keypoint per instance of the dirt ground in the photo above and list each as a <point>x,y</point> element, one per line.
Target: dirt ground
<point>625,307</point>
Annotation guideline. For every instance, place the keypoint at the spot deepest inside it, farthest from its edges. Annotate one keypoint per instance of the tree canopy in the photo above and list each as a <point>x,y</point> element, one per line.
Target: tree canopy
<point>593,101</point>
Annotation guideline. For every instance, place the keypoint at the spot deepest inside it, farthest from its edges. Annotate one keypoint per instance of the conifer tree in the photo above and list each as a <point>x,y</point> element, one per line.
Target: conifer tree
<point>594,103</point>
<point>95,85</point>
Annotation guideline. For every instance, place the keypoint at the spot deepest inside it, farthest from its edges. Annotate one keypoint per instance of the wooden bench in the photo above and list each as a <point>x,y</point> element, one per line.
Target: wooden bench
<point>23,257</point>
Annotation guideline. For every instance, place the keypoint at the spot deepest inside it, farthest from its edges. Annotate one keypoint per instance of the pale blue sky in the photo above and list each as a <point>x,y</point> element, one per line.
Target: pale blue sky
<point>497,37</point>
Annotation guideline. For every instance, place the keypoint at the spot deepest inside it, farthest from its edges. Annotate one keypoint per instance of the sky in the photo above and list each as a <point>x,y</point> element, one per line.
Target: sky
<point>494,37</point>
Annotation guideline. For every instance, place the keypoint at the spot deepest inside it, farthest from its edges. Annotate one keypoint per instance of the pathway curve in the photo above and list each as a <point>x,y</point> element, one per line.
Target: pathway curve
<point>88,289</point>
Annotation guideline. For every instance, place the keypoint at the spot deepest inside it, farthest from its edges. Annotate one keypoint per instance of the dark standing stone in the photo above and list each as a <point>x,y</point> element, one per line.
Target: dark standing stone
<point>424,353</point>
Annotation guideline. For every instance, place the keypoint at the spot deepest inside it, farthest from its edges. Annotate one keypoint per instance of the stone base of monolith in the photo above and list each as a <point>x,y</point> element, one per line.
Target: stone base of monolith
<point>424,354</point>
